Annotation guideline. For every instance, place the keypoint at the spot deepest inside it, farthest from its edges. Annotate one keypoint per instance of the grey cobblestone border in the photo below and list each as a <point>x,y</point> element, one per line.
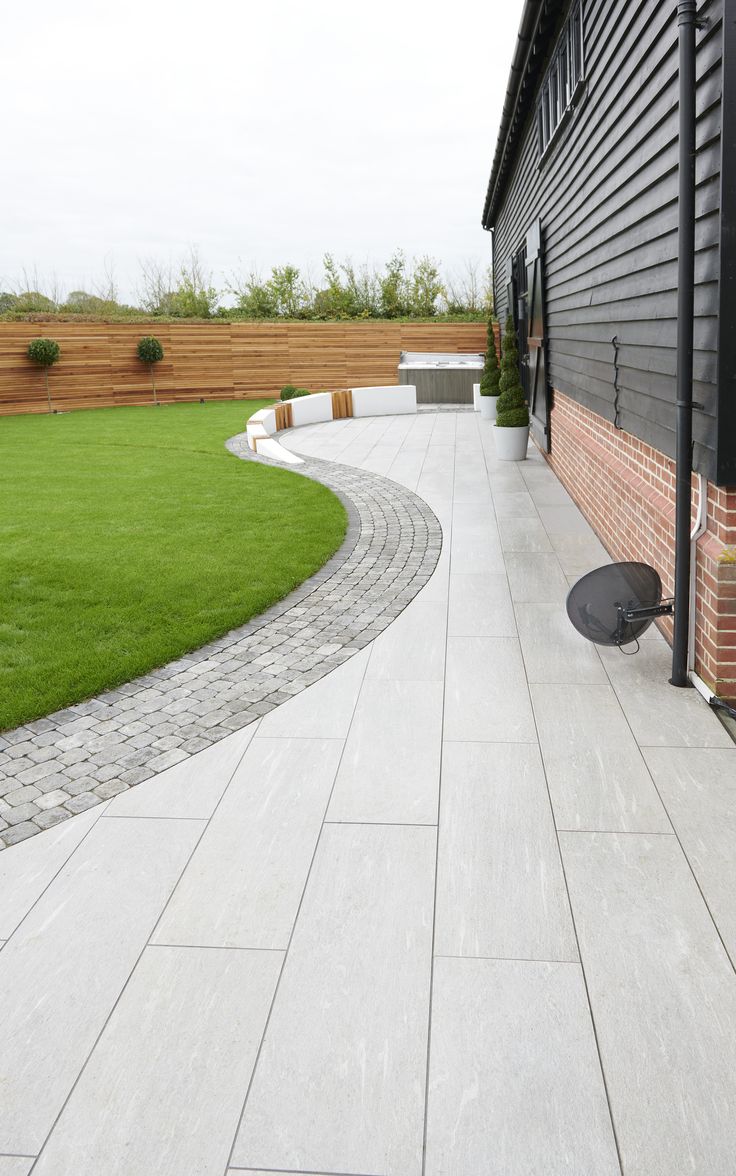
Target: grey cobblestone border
<point>55,767</point>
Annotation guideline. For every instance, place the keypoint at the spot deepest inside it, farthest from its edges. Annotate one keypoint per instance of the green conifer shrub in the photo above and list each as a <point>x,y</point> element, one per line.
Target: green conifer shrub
<point>489,381</point>
<point>511,410</point>
<point>290,392</point>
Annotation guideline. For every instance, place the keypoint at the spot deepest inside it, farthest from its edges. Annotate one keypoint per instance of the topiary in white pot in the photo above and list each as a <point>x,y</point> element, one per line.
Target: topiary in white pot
<point>511,430</point>
<point>489,388</point>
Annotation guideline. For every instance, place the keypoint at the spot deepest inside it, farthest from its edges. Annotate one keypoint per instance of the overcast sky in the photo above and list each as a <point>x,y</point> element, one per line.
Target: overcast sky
<point>262,133</point>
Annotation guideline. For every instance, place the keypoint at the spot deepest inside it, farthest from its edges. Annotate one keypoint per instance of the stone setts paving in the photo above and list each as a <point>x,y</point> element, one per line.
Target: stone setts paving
<point>55,767</point>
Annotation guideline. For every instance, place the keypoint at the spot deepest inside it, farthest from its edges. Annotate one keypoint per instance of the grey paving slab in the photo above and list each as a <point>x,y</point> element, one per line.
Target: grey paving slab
<point>390,769</point>
<point>480,606</point>
<point>339,1086</point>
<point>544,492</point>
<point>478,513</point>
<point>406,468</point>
<point>579,554</point>
<point>514,504</point>
<point>663,995</point>
<point>475,547</point>
<point>27,869</point>
<point>515,1086</point>
<point>66,965</point>
<point>536,578</point>
<point>16,1165</point>
<point>698,787</point>
<point>661,715</point>
<point>243,885</point>
<point>553,650</point>
<point>523,534</point>
<point>166,1082</point>
<point>564,519</point>
<point>470,484</point>
<point>486,692</point>
<point>325,710</point>
<point>504,477</point>
<point>189,789</point>
<point>500,886</point>
<point>413,649</point>
<point>597,776</point>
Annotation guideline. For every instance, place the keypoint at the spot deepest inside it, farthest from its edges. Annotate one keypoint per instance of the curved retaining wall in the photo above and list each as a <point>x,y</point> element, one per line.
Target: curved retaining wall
<point>386,400</point>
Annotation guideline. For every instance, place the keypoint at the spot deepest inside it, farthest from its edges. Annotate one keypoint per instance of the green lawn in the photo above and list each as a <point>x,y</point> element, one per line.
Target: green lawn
<point>129,536</point>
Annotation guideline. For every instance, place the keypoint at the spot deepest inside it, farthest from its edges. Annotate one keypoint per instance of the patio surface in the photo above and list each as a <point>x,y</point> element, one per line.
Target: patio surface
<point>465,906</point>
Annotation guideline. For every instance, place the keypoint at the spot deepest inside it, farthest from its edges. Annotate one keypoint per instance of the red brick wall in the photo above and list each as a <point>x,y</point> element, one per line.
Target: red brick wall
<point>626,490</point>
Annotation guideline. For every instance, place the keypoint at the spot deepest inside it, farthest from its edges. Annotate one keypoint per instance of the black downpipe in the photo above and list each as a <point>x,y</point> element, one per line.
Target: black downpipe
<point>687,22</point>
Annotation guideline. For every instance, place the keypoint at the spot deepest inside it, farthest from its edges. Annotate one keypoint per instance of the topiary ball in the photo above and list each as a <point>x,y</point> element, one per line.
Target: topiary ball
<point>513,418</point>
<point>44,352</point>
<point>150,350</point>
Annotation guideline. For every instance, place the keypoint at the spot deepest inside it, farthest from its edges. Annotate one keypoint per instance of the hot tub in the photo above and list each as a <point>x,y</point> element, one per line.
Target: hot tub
<point>441,378</point>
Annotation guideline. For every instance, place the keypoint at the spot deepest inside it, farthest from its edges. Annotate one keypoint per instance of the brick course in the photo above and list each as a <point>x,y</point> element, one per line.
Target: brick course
<point>626,489</point>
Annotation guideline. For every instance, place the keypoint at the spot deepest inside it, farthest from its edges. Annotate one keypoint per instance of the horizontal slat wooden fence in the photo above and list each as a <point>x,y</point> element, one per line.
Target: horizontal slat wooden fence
<point>99,368</point>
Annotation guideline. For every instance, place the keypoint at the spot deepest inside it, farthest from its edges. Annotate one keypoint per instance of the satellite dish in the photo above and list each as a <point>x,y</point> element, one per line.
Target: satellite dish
<point>614,605</point>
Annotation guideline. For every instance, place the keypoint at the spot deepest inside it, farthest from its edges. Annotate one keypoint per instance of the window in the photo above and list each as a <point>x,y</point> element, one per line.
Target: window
<point>563,77</point>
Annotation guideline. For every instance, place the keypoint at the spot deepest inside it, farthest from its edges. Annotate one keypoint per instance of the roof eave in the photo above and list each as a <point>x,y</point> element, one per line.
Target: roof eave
<point>531,16</point>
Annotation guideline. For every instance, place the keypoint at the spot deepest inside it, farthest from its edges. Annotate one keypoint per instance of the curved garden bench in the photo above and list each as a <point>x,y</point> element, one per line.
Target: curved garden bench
<point>391,400</point>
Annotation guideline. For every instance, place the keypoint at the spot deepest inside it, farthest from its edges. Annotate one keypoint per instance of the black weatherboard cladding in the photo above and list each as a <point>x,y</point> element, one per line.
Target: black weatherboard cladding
<point>606,193</point>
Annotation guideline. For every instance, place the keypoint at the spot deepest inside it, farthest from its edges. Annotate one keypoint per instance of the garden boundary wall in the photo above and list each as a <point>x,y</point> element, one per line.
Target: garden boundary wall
<point>99,367</point>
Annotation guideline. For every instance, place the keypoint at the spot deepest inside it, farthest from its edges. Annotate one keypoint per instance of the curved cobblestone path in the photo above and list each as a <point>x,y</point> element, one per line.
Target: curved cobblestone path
<point>55,767</point>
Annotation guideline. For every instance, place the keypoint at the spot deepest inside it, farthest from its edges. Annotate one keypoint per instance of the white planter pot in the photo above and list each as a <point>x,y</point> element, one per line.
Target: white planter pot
<point>476,397</point>
<point>488,407</point>
<point>511,444</point>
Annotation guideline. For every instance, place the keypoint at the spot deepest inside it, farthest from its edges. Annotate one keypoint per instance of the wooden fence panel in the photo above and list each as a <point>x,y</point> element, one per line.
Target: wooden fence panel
<point>99,366</point>
<point>260,359</point>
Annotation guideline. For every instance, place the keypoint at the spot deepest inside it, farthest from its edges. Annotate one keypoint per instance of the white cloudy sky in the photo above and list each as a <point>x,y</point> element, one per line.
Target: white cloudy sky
<point>262,133</point>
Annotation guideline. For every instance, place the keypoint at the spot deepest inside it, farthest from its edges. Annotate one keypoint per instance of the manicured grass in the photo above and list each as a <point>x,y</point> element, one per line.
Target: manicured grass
<point>129,536</point>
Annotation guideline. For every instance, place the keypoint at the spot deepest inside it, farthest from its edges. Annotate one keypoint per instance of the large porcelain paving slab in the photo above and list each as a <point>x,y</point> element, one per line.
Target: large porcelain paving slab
<point>28,868</point>
<point>16,1165</point>
<point>396,777</point>
<point>486,691</point>
<point>339,1085</point>
<point>189,789</point>
<point>166,1084</point>
<point>660,715</point>
<point>663,993</point>
<point>480,606</point>
<point>413,648</point>
<point>698,785</point>
<point>515,1086</point>
<point>536,578</point>
<point>304,835</point>
<point>496,895</point>
<point>244,882</point>
<point>597,775</point>
<point>66,965</point>
<point>553,651</point>
<point>325,711</point>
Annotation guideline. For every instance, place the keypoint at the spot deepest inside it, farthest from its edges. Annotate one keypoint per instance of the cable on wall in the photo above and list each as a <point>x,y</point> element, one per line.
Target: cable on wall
<point>616,389</point>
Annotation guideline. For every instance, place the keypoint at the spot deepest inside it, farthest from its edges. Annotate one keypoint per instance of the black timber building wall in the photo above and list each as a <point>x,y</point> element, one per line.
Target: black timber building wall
<point>606,193</point>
